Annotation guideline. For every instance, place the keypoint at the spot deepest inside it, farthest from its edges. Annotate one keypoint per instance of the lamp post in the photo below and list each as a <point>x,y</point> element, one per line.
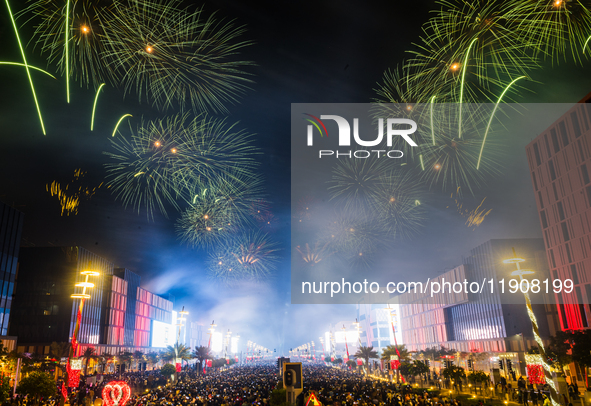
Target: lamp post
<point>228,336</point>
<point>74,373</point>
<point>547,371</point>
<point>211,330</point>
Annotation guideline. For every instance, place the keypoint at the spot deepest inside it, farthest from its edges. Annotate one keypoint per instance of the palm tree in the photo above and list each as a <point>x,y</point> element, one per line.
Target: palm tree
<point>152,358</point>
<point>391,351</point>
<point>178,350</point>
<point>125,357</point>
<point>366,353</point>
<point>137,356</point>
<point>202,353</point>
<point>88,353</point>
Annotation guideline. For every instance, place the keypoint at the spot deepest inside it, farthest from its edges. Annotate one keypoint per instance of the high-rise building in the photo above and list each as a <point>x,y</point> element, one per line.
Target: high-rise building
<point>43,309</point>
<point>11,225</point>
<point>480,322</point>
<point>560,165</point>
<point>119,316</point>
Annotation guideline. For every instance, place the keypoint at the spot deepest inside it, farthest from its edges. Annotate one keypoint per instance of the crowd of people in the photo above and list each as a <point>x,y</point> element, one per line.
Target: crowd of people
<point>255,385</point>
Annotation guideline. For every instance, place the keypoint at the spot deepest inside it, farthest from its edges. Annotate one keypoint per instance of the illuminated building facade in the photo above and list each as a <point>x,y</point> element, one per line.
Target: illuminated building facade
<point>149,307</point>
<point>560,165</point>
<point>375,321</point>
<point>198,333</point>
<point>115,305</point>
<point>118,317</point>
<point>43,310</point>
<point>11,225</point>
<point>479,322</point>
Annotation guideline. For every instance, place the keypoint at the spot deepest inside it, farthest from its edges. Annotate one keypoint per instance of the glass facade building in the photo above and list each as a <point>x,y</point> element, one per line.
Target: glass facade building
<point>43,309</point>
<point>11,225</point>
<point>477,322</point>
<point>118,313</point>
<point>560,166</point>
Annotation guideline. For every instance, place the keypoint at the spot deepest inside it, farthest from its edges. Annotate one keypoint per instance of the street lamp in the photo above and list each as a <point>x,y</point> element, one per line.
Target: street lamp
<point>74,373</point>
<point>530,312</point>
<point>211,330</point>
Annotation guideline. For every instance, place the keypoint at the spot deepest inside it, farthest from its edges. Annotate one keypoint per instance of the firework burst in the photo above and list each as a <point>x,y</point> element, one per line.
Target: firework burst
<point>451,161</point>
<point>218,209</point>
<point>85,20</point>
<point>400,203</point>
<point>312,256</point>
<point>249,256</point>
<point>173,57</point>
<point>167,160</point>
<point>356,181</point>
<point>352,232</point>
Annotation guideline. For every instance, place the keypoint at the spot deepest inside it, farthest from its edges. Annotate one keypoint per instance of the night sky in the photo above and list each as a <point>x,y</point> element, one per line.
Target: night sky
<point>305,52</point>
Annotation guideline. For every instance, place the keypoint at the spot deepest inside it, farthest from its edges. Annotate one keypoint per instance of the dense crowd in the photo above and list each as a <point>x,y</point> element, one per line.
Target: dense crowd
<point>254,386</point>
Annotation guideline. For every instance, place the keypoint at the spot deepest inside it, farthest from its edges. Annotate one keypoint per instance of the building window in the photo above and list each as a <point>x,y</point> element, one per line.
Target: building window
<point>585,174</point>
<point>554,138</point>
<point>576,127</point>
<point>560,210</point>
<point>540,200</point>
<point>574,275</point>
<point>552,259</point>
<point>543,218</point>
<point>552,170</point>
<point>547,145</point>
<point>537,154</point>
<point>564,231</point>
<point>569,257</point>
<point>533,176</point>
<point>563,132</point>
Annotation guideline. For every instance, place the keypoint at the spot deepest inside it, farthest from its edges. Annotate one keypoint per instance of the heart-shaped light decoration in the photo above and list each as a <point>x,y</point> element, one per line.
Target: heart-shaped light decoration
<point>116,393</point>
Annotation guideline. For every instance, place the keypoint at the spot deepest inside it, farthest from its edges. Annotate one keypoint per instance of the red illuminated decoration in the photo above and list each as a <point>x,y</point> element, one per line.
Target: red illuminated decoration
<point>64,390</point>
<point>236,359</point>
<point>359,362</point>
<point>394,364</point>
<point>73,368</point>
<point>116,393</point>
<point>535,374</point>
<point>208,363</point>
<point>178,367</point>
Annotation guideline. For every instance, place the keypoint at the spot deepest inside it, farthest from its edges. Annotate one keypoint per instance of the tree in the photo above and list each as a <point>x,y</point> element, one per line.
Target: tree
<point>87,355</point>
<point>366,353</point>
<point>327,359</point>
<point>137,356</point>
<point>455,373</point>
<point>153,358</point>
<point>419,368</point>
<point>175,351</point>
<point>202,353</point>
<point>478,377</point>
<point>390,351</point>
<point>559,348</point>
<point>37,385</point>
<point>581,350</point>
<point>168,370</point>
<point>5,389</point>
<point>125,357</point>
<point>351,364</point>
